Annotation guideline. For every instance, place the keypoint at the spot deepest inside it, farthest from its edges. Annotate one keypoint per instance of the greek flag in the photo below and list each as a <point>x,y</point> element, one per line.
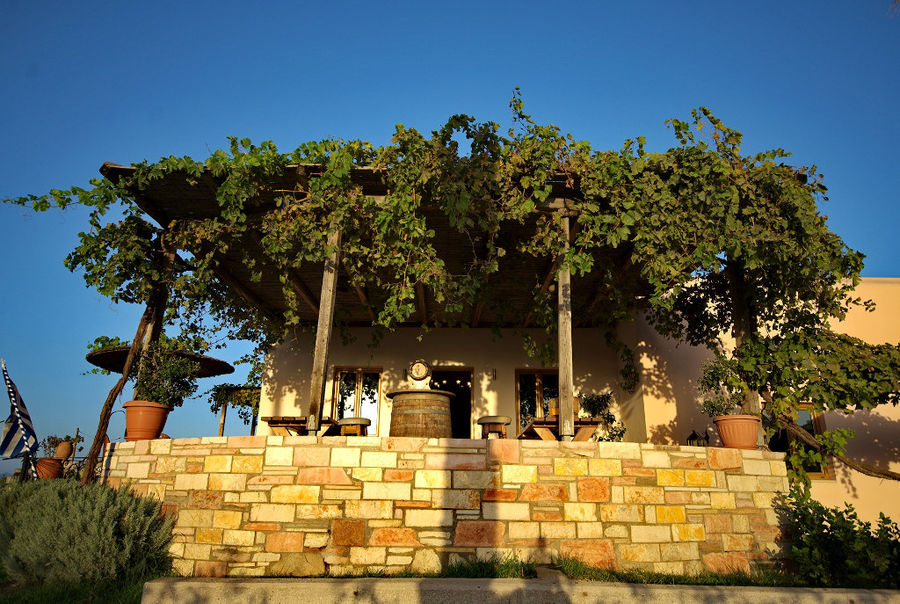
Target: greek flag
<point>18,436</point>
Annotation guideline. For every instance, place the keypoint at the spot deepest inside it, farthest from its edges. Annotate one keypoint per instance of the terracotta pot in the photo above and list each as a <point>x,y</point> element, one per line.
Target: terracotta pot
<point>144,420</point>
<point>738,431</point>
<point>63,450</point>
<point>48,467</point>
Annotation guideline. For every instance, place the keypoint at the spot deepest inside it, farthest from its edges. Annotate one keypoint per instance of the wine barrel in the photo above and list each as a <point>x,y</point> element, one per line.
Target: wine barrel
<point>421,413</point>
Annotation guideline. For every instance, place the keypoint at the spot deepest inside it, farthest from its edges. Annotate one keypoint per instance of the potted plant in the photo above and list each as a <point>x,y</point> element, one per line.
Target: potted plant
<point>56,450</point>
<point>723,393</point>
<point>163,379</point>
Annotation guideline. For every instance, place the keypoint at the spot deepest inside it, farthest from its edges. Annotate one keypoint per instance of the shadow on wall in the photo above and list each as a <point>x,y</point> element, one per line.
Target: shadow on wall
<point>876,443</point>
<point>288,378</point>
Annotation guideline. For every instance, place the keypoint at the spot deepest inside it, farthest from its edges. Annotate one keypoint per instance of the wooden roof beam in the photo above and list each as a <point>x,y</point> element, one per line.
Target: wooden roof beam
<point>361,293</point>
<point>548,279</point>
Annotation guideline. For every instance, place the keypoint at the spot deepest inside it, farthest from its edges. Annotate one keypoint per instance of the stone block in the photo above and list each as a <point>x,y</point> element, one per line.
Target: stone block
<point>454,461</point>
<point>740,483</point>
<point>160,446</point>
<point>208,535</point>
<point>669,568</point>
<point>387,490</point>
<point>433,479</point>
<point>524,530</point>
<point>467,499</point>
<point>170,465</point>
<point>209,568</point>
<point>183,568</point>
<point>640,552</point>
<point>726,562</point>
<point>195,518</point>
<point>610,450</point>
<point>655,459</point>
<point>247,464</point>
<point>463,479</point>
<point>394,537</point>
<point>543,492</point>
<point>227,482</point>
<point>284,542</point>
<point>621,513</point>
<point>279,456</point>
<point>429,518</point>
<point>644,494</point>
<point>593,489</point>
<point>605,467</point>
<point>596,552</point>
<point>315,540</point>
<point>671,552</point>
<point>291,493</point>
<point>398,475</point>
<point>757,466</point>
<point>688,532</point>
<point>717,523</point>
<point>138,470</point>
<point>306,564</point>
<point>217,463</point>
<point>518,473</point>
<point>403,444</point>
<point>558,530</point>
<point>341,494</point>
<point>473,533</point>
<point>345,457</point>
<point>227,519</point>
<point>318,512</point>
<point>379,459</point>
<point>670,478</point>
<point>323,476</point>
<point>368,474</point>
<point>197,551</point>
<point>733,542</point>
<point>724,459</point>
<point>190,482</point>
<point>500,494</point>
<point>722,501</point>
<point>364,556</point>
<point>670,514</point>
<point>503,450</point>
<point>272,512</point>
<point>426,561</point>
<point>580,512</point>
<point>235,537</point>
<point>700,478</point>
<point>570,466</point>
<point>505,511</point>
<point>650,533</point>
<point>207,500</point>
<point>318,457</point>
<point>369,509</point>
<point>348,532</point>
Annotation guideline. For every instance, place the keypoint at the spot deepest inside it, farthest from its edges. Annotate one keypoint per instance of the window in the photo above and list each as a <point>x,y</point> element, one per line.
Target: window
<point>534,390</point>
<point>814,423</point>
<point>357,393</point>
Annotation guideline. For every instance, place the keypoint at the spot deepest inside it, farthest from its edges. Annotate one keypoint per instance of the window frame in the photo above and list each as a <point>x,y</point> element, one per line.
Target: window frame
<point>335,390</point>
<point>539,392</point>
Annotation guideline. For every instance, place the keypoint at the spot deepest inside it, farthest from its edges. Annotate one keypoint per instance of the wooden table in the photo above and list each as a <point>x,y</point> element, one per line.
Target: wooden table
<point>548,429</point>
<point>288,425</point>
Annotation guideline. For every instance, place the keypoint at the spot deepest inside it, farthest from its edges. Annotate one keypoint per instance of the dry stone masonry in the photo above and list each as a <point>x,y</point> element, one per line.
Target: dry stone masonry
<point>309,505</point>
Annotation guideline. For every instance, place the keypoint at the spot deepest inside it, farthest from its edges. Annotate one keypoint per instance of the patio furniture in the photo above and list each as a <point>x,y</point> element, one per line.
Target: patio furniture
<point>282,425</point>
<point>548,429</point>
<point>354,426</point>
<point>493,424</point>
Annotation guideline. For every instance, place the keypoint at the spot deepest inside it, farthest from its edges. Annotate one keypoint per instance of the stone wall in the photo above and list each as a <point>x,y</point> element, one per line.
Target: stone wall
<point>310,505</point>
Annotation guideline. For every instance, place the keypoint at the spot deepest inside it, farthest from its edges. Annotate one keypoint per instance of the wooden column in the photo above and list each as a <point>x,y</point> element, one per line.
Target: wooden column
<point>323,329</point>
<point>222,419</point>
<point>564,346</point>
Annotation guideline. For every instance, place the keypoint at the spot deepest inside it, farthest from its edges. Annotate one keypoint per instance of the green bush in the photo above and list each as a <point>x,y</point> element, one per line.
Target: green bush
<point>58,531</point>
<point>832,547</point>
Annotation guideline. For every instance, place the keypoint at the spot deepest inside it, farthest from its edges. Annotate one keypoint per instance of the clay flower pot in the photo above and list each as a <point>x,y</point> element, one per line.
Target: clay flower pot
<point>738,431</point>
<point>48,467</point>
<point>63,450</point>
<point>144,420</point>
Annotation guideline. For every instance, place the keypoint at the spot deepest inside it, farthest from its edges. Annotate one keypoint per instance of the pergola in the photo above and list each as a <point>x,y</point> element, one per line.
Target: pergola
<point>506,299</point>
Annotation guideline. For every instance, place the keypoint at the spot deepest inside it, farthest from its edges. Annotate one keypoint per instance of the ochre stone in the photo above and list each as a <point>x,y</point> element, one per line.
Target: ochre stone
<point>717,523</point>
<point>284,542</point>
<point>262,526</point>
<point>348,532</point>
<point>670,514</point>
<point>732,542</point>
<point>206,535</point>
<point>479,533</point>
<point>678,496</point>
<point>312,456</point>
<point>700,478</point>
<point>691,463</point>
<point>294,494</point>
<point>545,492</point>
<point>724,459</point>
<point>247,464</point>
<point>395,537</point>
<point>593,489</point>
<point>670,478</point>
<point>546,516</point>
<point>307,564</point>
<point>727,562</point>
<point>329,476</point>
<point>207,500</point>
<point>500,494</point>
<point>209,568</point>
<point>688,532</point>
<point>596,552</point>
<point>641,552</point>
<point>605,467</point>
<point>570,466</point>
<point>397,475</point>
<point>644,495</point>
<point>503,450</point>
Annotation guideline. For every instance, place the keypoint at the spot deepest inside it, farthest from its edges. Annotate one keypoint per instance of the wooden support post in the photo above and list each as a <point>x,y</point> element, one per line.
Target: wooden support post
<point>420,303</point>
<point>323,329</point>
<point>222,419</point>
<point>564,345</point>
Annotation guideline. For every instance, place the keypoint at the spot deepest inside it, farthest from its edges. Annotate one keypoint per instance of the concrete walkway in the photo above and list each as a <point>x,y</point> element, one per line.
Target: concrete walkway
<point>547,589</point>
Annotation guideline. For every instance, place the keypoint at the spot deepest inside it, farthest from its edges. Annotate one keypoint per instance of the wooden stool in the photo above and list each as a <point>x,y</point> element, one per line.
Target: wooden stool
<point>493,424</point>
<point>354,426</point>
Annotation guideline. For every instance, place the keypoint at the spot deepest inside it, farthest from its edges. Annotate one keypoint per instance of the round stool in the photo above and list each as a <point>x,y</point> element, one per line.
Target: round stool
<point>354,426</point>
<point>493,424</point>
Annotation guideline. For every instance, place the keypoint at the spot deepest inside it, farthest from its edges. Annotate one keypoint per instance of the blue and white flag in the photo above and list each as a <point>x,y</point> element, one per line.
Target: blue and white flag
<point>18,436</point>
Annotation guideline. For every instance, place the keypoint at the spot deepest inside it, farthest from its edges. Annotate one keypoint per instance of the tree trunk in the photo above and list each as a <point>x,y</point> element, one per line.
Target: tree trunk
<point>743,322</point>
<point>222,419</point>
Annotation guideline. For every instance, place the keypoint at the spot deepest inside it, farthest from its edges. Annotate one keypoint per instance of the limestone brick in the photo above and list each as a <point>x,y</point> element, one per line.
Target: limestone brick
<point>363,441</point>
<point>670,552</point>
<point>757,466</point>
<point>394,537</point>
<point>727,562</point>
<point>724,459</point>
<point>360,556</point>
<point>737,482</point>
<point>722,501</point>
<point>543,492</point>
<point>348,532</point>
<point>454,461</point>
<point>732,542</point>
<point>699,478</point>
<point>315,540</point>
<point>644,494</point>
<point>294,494</point>
<point>284,542</point>
<point>593,489</point>
<point>596,552</point>
<point>670,514</point>
<point>379,459</point>
<point>195,518</point>
<point>312,456</point>
<point>345,457</point>
<point>368,474</point>
<point>640,552</point>
<point>170,465</point>
<point>558,530</point>
<point>138,470</point>
<point>580,512</point>
<point>518,473</point>
<point>197,551</point>
<point>394,560</point>
<point>432,479</point>
<point>342,494</point>
<point>387,490</point>
<point>227,482</point>
<point>236,537</point>
<point>183,568</point>
<point>688,532</point>
<point>650,533</point>
<point>611,450</point>
<point>605,467</point>
<point>570,466</point>
<point>318,512</point>
<point>247,464</point>
<point>479,533</point>
<point>208,535</point>
<point>217,463</point>
<point>252,497</point>
<point>398,475</point>
<point>670,478</point>
<point>669,568</point>
<point>524,530</point>
<point>467,499</point>
<point>621,513</point>
<point>472,479</point>
<point>279,456</point>
<point>655,459</point>
<point>505,511</point>
<point>227,519</point>
<point>272,512</point>
<point>323,476</point>
<point>368,509</point>
<point>616,531</point>
<point>160,446</point>
<point>503,450</point>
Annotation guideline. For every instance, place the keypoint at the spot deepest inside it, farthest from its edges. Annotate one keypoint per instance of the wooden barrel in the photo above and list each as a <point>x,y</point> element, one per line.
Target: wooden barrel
<point>422,413</point>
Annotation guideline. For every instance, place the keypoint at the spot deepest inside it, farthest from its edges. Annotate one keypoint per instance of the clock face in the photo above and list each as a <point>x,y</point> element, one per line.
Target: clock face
<point>419,370</point>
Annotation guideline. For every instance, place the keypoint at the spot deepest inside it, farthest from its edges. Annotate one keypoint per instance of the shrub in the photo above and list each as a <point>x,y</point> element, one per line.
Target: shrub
<point>832,547</point>
<point>58,531</point>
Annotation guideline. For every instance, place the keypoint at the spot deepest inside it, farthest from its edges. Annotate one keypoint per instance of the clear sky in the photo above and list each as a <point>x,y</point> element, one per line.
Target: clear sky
<point>88,82</point>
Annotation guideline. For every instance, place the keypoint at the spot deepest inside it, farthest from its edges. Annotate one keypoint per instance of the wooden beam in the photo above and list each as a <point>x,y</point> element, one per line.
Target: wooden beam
<point>323,329</point>
<point>548,279</point>
<point>361,293</point>
<point>420,302</point>
<point>564,347</point>
<point>246,294</point>
<point>302,290</point>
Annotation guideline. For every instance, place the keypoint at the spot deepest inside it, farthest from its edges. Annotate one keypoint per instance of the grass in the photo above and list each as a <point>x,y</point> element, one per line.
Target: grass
<point>577,569</point>
<point>117,591</point>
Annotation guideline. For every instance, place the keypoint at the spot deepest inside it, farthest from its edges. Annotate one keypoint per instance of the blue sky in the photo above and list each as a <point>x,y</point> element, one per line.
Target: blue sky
<point>89,82</point>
